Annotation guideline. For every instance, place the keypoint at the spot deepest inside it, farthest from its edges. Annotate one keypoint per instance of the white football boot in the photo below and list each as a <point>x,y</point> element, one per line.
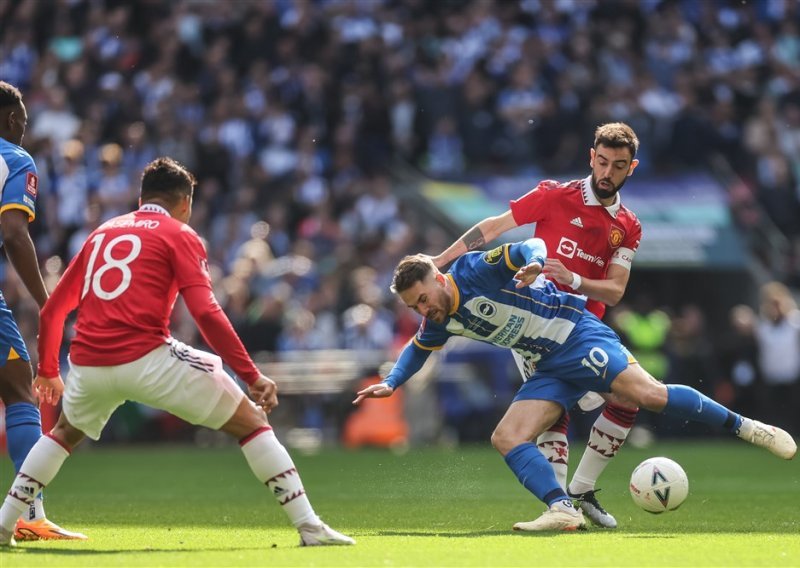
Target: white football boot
<point>777,441</point>
<point>556,518</point>
<point>321,535</point>
<point>7,539</point>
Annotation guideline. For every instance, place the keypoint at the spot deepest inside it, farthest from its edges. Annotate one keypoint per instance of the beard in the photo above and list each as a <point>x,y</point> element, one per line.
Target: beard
<point>606,193</point>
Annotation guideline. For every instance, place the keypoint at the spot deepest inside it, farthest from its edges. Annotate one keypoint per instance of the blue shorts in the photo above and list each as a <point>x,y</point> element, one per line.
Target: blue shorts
<point>589,360</point>
<point>10,337</point>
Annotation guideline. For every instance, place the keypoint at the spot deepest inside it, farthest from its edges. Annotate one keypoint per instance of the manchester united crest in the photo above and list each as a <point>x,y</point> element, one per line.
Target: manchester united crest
<point>616,236</point>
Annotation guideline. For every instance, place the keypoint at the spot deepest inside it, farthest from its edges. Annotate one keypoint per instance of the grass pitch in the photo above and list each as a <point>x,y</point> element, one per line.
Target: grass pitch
<point>177,506</point>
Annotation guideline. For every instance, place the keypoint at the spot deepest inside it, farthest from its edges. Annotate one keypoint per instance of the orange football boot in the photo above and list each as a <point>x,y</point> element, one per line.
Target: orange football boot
<point>44,530</point>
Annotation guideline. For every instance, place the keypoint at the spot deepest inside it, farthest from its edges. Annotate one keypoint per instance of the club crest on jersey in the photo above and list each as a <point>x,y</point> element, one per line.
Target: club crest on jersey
<point>616,236</point>
<point>32,184</point>
<point>494,255</point>
<point>567,247</point>
<point>487,309</point>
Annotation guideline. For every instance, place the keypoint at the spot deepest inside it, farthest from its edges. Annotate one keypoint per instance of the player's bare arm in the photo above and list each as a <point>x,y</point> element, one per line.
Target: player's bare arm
<point>22,253</point>
<point>608,290</point>
<point>48,389</point>
<point>484,232</point>
<point>379,390</point>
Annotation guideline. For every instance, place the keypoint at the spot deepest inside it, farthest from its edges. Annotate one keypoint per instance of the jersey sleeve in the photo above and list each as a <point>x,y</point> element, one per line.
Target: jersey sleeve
<point>623,256</point>
<point>190,260</point>
<point>20,187</point>
<point>218,332</point>
<point>534,205</point>
<point>62,301</point>
<point>493,269</point>
<point>408,364</point>
<point>430,337</point>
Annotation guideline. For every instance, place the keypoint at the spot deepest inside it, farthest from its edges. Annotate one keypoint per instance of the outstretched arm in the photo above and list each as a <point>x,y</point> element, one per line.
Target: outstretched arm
<point>484,232</point>
<point>410,361</point>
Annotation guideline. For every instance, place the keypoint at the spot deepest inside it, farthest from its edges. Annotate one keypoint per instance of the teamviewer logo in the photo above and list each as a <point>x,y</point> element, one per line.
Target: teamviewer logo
<point>567,247</point>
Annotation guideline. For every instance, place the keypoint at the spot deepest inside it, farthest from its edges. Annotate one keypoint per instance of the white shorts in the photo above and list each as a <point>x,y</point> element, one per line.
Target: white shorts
<point>186,382</point>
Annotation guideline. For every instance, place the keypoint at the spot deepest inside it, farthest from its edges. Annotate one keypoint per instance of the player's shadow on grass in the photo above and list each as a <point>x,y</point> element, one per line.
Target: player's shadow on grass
<point>469,534</point>
<point>85,552</point>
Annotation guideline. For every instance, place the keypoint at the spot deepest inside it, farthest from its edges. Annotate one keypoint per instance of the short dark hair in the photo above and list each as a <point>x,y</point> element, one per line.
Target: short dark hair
<point>9,95</point>
<point>166,179</point>
<point>616,135</point>
<point>412,269</point>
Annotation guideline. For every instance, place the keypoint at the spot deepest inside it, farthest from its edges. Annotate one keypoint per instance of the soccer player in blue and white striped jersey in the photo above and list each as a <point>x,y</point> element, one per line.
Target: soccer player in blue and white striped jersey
<point>19,186</point>
<point>568,351</point>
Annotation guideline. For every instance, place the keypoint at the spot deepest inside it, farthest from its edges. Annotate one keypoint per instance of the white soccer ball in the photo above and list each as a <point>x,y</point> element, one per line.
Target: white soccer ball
<point>658,485</point>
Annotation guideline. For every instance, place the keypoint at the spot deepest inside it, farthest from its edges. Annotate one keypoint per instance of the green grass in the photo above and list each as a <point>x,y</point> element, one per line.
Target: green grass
<point>176,506</point>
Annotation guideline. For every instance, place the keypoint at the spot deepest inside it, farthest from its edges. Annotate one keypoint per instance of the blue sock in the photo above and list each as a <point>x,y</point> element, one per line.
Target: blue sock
<point>686,402</point>
<point>535,473</point>
<point>23,430</point>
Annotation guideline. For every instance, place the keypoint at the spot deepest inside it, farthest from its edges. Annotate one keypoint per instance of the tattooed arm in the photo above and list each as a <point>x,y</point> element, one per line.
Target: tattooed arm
<point>484,232</point>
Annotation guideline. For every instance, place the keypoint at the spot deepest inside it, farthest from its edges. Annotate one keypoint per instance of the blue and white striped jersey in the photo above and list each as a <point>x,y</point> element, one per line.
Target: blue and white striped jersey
<point>533,321</point>
<point>19,183</point>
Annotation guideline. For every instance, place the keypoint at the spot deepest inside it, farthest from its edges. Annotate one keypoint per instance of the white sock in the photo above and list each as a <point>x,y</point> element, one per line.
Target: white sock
<point>36,511</point>
<point>273,466</point>
<point>745,431</point>
<point>555,447</point>
<point>566,506</point>
<point>38,470</point>
<point>605,441</point>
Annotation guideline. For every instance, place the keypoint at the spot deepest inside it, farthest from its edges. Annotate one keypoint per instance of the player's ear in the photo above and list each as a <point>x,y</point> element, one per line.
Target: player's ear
<point>634,163</point>
<point>591,158</point>
<point>440,278</point>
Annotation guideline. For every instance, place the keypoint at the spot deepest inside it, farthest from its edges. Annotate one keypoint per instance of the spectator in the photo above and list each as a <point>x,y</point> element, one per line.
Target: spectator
<point>778,335</point>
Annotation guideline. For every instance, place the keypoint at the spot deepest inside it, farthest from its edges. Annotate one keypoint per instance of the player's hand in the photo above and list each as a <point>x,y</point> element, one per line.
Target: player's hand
<point>264,393</point>
<point>555,270</point>
<point>437,261</point>
<point>48,389</point>
<point>527,274</point>
<point>380,390</point>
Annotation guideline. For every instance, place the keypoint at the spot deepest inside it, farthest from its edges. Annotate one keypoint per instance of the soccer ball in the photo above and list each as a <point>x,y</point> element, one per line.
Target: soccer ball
<point>658,485</point>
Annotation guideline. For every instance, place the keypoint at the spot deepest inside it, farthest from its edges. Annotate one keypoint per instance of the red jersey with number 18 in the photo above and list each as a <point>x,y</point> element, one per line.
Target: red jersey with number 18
<point>585,236</point>
<point>124,282</point>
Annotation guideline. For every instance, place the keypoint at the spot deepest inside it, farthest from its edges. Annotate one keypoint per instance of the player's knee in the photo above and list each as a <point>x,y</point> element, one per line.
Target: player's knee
<point>653,397</point>
<point>247,418</point>
<point>66,434</point>
<point>504,440</point>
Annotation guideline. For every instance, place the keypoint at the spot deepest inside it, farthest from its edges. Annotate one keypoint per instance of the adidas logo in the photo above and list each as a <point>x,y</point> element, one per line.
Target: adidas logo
<point>577,222</point>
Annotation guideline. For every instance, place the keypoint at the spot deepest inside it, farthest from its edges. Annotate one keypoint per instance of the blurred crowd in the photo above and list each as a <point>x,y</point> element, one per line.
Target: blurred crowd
<point>292,114</point>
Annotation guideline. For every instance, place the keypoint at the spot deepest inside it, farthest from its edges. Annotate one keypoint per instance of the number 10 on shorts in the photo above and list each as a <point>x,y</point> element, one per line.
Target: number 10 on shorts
<point>597,361</point>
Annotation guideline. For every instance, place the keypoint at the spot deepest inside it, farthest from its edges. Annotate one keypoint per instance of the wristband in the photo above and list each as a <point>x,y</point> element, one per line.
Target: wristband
<point>576,281</point>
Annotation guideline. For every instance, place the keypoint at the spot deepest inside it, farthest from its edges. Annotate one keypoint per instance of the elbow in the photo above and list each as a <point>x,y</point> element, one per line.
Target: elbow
<point>13,240</point>
<point>614,298</point>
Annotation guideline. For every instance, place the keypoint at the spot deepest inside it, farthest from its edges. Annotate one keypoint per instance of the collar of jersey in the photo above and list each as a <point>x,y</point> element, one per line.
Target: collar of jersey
<point>153,208</point>
<point>589,198</point>
<point>456,295</point>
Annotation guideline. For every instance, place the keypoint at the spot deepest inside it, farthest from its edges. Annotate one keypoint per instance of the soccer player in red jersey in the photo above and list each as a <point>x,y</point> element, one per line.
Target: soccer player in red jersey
<point>124,283</point>
<point>593,238</point>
